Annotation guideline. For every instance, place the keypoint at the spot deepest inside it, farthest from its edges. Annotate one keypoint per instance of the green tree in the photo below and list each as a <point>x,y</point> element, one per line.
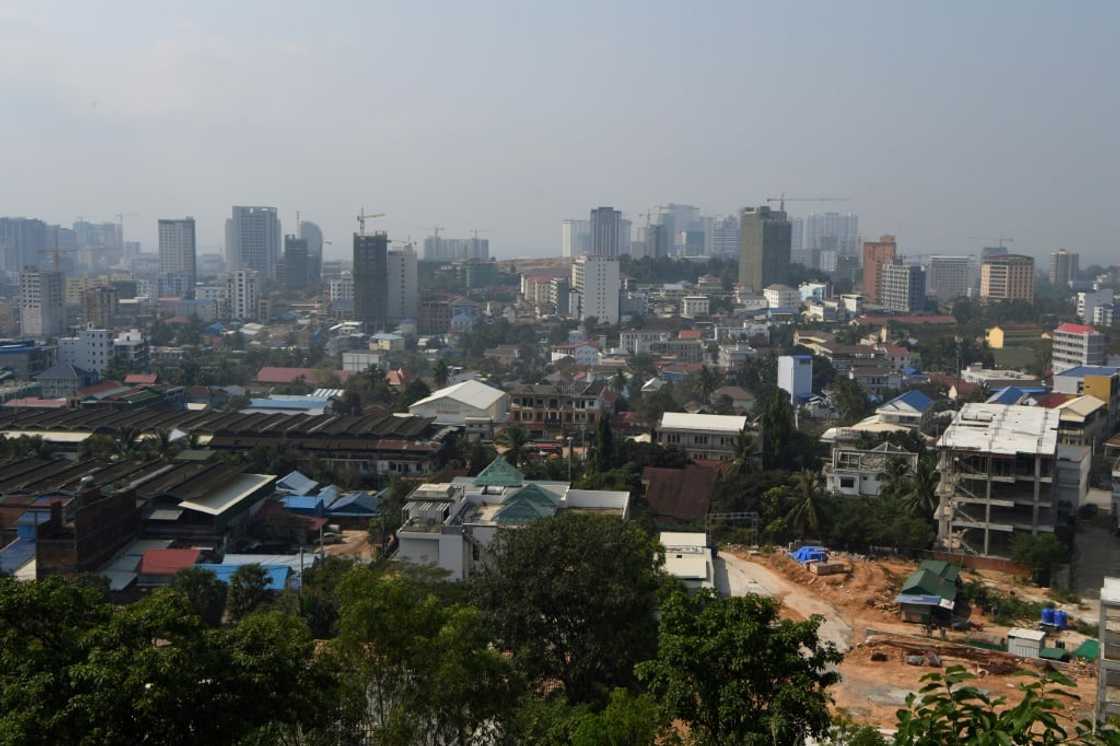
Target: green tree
<point>573,597</point>
<point>441,373</point>
<point>205,593</point>
<point>921,488</point>
<point>949,710</point>
<point>746,452</point>
<point>248,591</point>
<point>628,720</point>
<point>417,669</point>
<point>777,432</point>
<point>603,457</point>
<point>514,438</point>
<point>737,673</point>
<point>805,517</point>
<point>851,401</point>
<point>412,393</point>
<point>1040,552</point>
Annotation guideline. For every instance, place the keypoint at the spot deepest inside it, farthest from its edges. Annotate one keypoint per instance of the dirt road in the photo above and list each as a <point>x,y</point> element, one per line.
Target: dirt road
<point>737,577</point>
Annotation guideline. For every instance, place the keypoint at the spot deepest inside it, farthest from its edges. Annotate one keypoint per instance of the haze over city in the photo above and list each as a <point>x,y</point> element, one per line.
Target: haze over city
<point>942,124</point>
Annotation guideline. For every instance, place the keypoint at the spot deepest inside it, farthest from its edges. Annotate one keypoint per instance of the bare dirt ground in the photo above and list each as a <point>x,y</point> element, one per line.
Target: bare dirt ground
<point>355,544</point>
<point>861,619</point>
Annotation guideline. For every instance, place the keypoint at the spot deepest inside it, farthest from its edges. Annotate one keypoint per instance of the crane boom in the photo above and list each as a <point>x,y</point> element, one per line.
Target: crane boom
<point>783,199</point>
<point>363,217</point>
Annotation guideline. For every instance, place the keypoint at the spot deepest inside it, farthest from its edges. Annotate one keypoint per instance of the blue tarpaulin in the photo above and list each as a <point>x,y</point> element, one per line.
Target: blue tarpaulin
<point>810,554</point>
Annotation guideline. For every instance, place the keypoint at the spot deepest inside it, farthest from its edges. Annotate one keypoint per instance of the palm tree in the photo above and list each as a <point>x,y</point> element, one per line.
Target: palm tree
<point>514,438</point>
<point>441,373</point>
<point>921,488</point>
<point>709,381</point>
<point>805,516</point>
<point>896,478</point>
<point>746,444</point>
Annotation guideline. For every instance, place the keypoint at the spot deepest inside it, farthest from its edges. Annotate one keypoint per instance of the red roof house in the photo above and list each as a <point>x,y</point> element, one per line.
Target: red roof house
<point>158,565</point>
<point>147,379</point>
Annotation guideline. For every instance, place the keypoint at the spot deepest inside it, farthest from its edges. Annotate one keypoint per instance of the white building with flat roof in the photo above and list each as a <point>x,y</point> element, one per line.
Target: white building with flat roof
<point>709,436</point>
<point>688,558</point>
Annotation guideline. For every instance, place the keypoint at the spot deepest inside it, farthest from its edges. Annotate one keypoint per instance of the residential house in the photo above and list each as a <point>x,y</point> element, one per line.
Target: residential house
<point>451,525</point>
<point>683,495</point>
<point>543,408</point>
<point>905,409</point>
<point>857,472</point>
<point>688,558</point>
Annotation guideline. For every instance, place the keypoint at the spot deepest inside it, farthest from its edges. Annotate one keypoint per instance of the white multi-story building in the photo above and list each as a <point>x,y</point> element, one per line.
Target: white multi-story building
<point>403,296</point>
<point>1089,301</point>
<point>781,296</point>
<point>131,346</point>
<point>341,289</point>
<point>694,306</point>
<point>91,350</point>
<point>440,249</point>
<point>948,277</point>
<point>177,252</point>
<point>721,236</point>
<point>253,238</point>
<point>42,311</point>
<point>597,282</point>
<point>575,238</point>
<point>795,376</point>
<point>638,341</point>
<point>709,436</point>
<point>817,291</point>
<point>242,294</point>
<point>1075,345</point>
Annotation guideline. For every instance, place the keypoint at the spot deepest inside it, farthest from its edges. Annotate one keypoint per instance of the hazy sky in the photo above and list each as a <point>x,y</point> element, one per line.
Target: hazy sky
<point>940,121</point>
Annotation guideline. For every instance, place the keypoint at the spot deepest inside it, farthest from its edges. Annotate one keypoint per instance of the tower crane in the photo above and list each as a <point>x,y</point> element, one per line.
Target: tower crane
<point>363,217</point>
<point>783,199</point>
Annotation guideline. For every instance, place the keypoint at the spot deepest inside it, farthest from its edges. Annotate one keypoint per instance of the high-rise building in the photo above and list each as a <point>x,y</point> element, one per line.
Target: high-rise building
<point>721,236</point>
<point>795,377</point>
<point>947,277</point>
<point>440,249</point>
<point>1063,267</point>
<point>677,219</point>
<point>1077,344</point>
<point>830,231</point>
<point>311,233</point>
<point>242,295</point>
<point>402,286</point>
<point>991,252</point>
<point>797,253</point>
<point>575,238</point>
<point>606,233</point>
<point>99,306</point>
<point>1007,277</point>
<point>765,236</point>
<point>253,240</point>
<point>902,287</point>
<point>42,310</point>
<point>177,251</point>
<point>596,282</point>
<point>371,281</point>
<point>296,261</point>
<point>876,255</point>
<point>658,241</point>
<point>22,240</point>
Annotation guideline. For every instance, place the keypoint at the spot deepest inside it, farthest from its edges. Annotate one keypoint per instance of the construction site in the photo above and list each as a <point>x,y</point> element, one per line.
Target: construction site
<point>994,630</point>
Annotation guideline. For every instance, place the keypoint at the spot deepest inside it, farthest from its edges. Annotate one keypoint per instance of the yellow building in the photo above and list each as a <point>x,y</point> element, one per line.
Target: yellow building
<point>1008,277</point>
<point>1012,335</point>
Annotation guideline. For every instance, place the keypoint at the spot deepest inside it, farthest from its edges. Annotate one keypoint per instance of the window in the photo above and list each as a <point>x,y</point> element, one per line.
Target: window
<point>847,483</point>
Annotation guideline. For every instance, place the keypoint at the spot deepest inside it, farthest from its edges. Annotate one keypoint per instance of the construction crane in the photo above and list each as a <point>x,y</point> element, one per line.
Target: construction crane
<point>783,199</point>
<point>1000,240</point>
<point>363,217</point>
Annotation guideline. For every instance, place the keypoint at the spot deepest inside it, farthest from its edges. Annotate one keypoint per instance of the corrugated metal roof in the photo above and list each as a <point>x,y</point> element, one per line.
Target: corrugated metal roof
<point>472,393</point>
<point>226,496</point>
<point>708,422</point>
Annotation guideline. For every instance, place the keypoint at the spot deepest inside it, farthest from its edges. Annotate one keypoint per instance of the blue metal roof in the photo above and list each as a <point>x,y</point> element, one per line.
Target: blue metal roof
<point>277,574</point>
<point>307,403</point>
<point>303,503</point>
<point>914,399</point>
<point>297,482</point>
<point>1088,370</point>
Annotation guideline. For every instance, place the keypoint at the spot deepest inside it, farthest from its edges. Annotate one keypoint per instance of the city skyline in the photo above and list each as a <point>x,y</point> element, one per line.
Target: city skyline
<point>166,101</point>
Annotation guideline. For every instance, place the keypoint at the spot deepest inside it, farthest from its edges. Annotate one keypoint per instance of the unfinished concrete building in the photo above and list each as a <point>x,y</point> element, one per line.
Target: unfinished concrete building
<point>1002,474</point>
<point>1108,674</point>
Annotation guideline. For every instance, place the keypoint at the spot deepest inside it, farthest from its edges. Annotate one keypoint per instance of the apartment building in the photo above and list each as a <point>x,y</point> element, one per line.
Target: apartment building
<point>1078,344</point>
<point>707,436</point>
<point>545,407</point>
<point>1001,476</point>
<point>1007,278</point>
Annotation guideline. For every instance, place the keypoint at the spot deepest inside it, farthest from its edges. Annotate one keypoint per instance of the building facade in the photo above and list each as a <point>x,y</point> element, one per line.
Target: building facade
<point>876,255</point>
<point>42,311</point>
<point>902,287</point>
<point>575,238</point>
<point>765,237</point>
<point>607,239</point>
<point>1077,344</point>
<point>948,277</point>
<point>313,235</point>
<point>296,260</point>
<point>830,231</point>
<point>371,276</point>
<point>242,295</point>
<point>22,240</point>
<point>177,252</point>
<point>598,284</point>
<point>253,240</point>
<point>706,436</point>
<point>402,286</point>
<point>1064,267</point>
<point>1007,278</point>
